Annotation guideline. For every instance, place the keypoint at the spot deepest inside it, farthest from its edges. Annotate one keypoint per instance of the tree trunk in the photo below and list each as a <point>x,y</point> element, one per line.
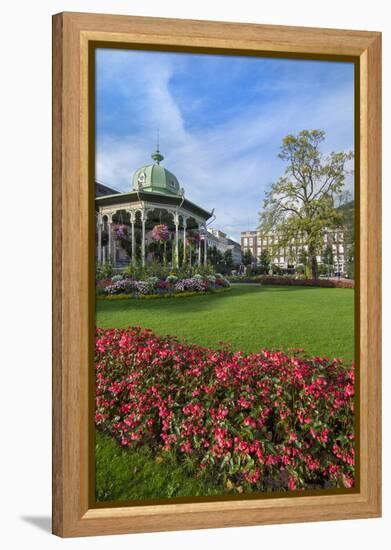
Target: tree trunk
<point>312,261</point>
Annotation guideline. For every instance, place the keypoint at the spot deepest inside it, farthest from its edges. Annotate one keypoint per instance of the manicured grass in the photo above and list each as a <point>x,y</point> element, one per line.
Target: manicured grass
<point>134,474</point>
<point>249,317</point>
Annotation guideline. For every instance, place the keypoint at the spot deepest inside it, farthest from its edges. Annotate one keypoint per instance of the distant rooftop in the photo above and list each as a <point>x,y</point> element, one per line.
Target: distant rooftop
<point>102,190</point>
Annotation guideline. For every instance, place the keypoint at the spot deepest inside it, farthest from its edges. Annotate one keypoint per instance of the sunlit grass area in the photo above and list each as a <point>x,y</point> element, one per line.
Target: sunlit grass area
<point>249,317</point>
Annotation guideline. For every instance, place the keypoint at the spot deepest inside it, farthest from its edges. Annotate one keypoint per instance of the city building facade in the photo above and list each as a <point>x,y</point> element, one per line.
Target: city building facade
<point>222,242</point>
<point>290,256</point>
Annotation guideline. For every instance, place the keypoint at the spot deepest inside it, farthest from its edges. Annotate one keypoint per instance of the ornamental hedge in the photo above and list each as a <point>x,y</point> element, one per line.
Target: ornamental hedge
<point>291,281</point>
<point>266,421</point>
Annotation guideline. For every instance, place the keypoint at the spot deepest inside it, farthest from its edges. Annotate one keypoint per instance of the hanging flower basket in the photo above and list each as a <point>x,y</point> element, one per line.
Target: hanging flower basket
<point>120,232</point>
<point>193,238</point>
<point>160,233</point>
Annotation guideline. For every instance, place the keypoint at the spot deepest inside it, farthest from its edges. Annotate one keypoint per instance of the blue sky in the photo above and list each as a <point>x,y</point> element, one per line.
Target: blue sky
<point>221,121</point>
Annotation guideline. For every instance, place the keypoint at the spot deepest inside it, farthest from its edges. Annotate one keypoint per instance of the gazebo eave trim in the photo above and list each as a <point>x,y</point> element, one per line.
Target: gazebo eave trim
<point>122,198</point>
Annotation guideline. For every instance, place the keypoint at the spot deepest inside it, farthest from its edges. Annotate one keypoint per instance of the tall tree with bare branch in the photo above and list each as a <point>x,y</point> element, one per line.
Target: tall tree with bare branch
<point>302,204</point>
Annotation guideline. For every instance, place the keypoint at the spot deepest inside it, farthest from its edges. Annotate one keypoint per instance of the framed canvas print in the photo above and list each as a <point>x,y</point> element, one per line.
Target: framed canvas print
<point>216,268</point>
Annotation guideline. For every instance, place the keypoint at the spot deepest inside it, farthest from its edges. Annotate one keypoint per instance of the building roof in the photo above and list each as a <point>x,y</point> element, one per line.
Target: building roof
<point>154,178</point>
<point>102,190</point>
<point>151,183</point>
<point>233,243</point>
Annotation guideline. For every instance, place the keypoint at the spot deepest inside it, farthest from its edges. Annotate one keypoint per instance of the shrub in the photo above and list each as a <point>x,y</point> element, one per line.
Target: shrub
<point>249,270</point>
<point>293,281</point>
<point>143,287</point>
<point>154,285</point>
<point>152,282</point>
<point>103,271</point>
<point>185,294</point>
<point>194,284</point>
<point>222,281</point>
<point>203,270</point>
<point>124,286</point>
<point>264,421</point>
<point>289,280</point>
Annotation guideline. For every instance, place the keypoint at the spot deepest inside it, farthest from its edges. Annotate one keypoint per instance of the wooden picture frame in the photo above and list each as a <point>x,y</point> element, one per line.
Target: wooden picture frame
<point>73,295</point>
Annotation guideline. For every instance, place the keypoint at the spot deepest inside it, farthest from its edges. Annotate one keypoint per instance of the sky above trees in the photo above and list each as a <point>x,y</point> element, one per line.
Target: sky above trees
<point>221,119</point>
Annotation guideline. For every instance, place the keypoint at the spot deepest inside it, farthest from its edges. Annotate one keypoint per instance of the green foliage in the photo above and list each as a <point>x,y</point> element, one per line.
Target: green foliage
<point>348,225</point>
<point>178,295</point>
<point>350,262</point>
<point>328,260</point>
<point>203,270</point>
<point>254,270</point>
<point>249,270</point>
<point>157,269</point>
<point>228,261</point>
<point>123,474</point>
<point>265,259</point>
<point>276,270</point>
<point>221,262</point>
<point>103,271</point>
<point>303,202</point>
<point>215,257</point>
<point>247,257</point>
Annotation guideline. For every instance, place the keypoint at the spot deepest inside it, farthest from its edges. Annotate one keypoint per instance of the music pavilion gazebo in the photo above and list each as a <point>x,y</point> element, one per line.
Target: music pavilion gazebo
<point>156,198</point>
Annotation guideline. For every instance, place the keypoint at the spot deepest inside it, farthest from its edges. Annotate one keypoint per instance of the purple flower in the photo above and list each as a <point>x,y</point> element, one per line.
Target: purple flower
<point>160,233</point>
<point>120,231</point>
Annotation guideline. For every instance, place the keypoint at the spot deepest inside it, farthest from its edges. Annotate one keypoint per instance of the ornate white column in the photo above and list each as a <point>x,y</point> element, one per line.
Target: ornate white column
<point>176,220</point>
<point>199,245</point>
<point>132,221</point>
<point>99,237</point>
<point>205,246</point>
<point>109,229</point>
<point>143,238</point>
<point>184,240</point>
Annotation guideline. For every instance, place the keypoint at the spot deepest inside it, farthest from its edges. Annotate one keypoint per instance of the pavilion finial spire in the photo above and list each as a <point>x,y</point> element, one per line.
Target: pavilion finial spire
<point>157,156</point>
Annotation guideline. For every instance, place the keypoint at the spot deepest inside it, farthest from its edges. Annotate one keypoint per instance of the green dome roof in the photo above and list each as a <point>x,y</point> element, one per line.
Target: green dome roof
<point>155,179</point>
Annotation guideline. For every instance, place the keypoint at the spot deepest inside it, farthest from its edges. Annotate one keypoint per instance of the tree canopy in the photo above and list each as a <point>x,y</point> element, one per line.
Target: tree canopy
<point>247,257</point>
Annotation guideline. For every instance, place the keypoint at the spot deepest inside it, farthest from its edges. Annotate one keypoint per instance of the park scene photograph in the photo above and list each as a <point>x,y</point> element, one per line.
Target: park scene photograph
<point>224,276</point>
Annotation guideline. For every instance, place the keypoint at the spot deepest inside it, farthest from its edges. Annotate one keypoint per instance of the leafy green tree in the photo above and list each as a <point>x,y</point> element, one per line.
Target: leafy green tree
<point>247,257</point>
<point>264,259</point>
<point>348,225</point>
<point>228,259</point>
<point>303,202</point>
<point>302,266</point>
<point>328,259</point>
<point>350,263</point>
<point>214,255</point>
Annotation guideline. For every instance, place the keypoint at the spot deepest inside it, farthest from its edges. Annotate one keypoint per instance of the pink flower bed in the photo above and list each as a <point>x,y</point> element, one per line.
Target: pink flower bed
<point>265,421</point>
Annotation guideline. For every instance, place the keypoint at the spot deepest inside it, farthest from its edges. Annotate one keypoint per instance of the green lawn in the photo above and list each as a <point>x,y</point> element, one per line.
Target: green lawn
<point>133,474</point>
<point>250,317</point>
<point>320,320</point>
